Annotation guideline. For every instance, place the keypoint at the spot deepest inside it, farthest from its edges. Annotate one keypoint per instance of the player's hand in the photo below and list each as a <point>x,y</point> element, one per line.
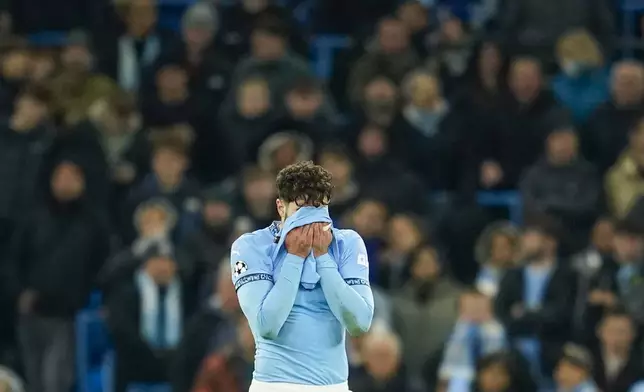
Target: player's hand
<point>322,237</point>
<point>300,241</point>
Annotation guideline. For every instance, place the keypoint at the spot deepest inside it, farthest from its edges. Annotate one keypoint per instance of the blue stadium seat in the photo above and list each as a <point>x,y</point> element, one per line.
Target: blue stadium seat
<point>92,344</point>
<point>630,9</point>
<point>509,199</point>
<point>323,51</point>
<point>149,388</point>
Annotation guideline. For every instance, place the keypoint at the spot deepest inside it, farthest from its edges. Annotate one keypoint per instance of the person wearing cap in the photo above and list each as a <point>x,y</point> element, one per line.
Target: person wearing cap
<point>564,184</point>
<point>535,301</point>
<point>574,370</point>
<point>146,316</point>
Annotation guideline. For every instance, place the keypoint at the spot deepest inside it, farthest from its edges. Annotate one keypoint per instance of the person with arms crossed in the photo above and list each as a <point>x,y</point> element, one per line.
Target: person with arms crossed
<point>301,283</point>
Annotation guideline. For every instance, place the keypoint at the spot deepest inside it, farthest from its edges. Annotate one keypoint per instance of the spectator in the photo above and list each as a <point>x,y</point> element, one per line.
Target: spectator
<point>54,259</point>
<point>390,56</point>
<point>209,70</point>
<point>14,73</point>
<point>369,219</point>
<point>76,86</point>
<point>563,185</point>
<point>169,180</point>
<point>381,176</point>
<point>415,16</point>
<point>154,221</point>
<point>171,103</point>
<point>617,362</point>
<point>25,142</point>
<point>239,20</point>
<point>282,149</point>
<point>230,371</point>
<point>346,190</point>
<point>382,353</point>
<point>117,122</point>
<point>427,135</point>
<point>606,132</point>
<point>404,235</point>
<point>206,246</point>
<point>629,254</point>
<point>624,181</point>
<point>535,27</point>
<point>535,301</point>
<point>582,84</point>
<point>209,335</point>
<point>258,194</point>
<point>574,370</point>
<point>502,372</point>
<point>475,335</point>
<point>484,84</point>
<point>308,112</point>
<point>271,58</point>
<point>379,101</point>
<point>135,50</point>
<point>596,289</point>
<point>497,250</point>
<point>146,316</point>
<point>451,54</point>
<point>527,115</point>
<point>428,302</point>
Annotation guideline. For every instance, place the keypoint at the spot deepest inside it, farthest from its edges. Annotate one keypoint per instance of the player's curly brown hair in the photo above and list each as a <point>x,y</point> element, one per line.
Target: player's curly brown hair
<point>305,183</point>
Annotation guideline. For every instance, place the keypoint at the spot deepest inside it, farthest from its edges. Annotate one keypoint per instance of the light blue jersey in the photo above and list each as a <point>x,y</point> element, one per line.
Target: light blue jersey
<point>299,332</point>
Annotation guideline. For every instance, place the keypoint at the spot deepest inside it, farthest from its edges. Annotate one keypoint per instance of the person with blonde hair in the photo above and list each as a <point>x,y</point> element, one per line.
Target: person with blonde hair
<point>582,83</point>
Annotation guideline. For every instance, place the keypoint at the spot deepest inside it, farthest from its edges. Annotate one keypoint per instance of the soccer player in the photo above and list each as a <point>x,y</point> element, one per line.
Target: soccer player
<point>301,284</point>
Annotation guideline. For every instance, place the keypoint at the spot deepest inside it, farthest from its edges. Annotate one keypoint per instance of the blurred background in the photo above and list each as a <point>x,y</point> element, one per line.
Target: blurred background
<point>490,153</point>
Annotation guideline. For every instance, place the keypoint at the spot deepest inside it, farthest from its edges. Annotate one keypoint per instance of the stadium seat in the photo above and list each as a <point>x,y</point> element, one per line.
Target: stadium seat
<point>92,344</point>
<point>149,388</point>
<point>323,48</point>
<point>630,10</point>
<point>509,199</point>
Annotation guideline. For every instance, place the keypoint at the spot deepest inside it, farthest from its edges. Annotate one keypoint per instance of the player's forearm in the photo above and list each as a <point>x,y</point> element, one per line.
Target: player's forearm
<point>352,305</point>
<point>269,309</point>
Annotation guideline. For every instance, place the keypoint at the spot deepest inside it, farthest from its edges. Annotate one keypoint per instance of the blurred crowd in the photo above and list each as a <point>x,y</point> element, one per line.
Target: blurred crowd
<point>132,155</point>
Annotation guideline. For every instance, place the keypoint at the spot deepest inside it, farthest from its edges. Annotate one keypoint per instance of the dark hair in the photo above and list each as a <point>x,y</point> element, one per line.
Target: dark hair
<point>122,104</point>
<point>618,312</point>
<point>38,92</point>
<point>272,25</point>
<point>305,184</point>
<point>306,86</point>
<point>170,141</point>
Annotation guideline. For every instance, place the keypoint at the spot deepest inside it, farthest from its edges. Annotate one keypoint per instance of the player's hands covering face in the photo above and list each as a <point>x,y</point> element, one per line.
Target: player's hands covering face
<point>322,237</point>
<point>299,241</point>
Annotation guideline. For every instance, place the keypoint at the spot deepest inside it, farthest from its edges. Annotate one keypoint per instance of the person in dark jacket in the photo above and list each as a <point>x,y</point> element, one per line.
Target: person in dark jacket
<point>535,301</point>
<point>205,248</point>
<point>382,370</point>
<point>25,140</point>
<point>606,133</point>
<point>169,180</point>
<point>564,185</point>
<point>618,362</point>
<point>54,260</point>
<point>146,318</point>
<point>209,332</point>
<point>522,122</point>
<point>238,20</point>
